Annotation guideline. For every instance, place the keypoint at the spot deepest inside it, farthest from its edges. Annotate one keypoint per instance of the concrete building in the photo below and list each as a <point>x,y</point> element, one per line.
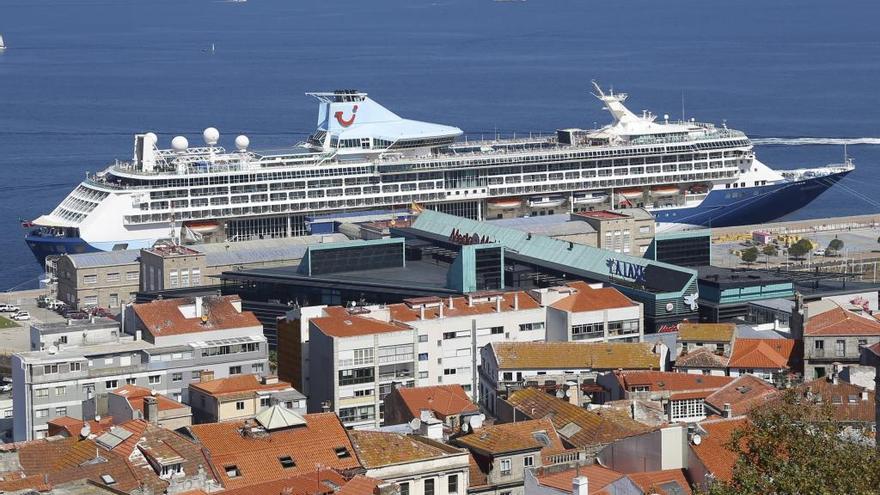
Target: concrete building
<point>107,279</point>
<point>681,395</point>
<point>166,346</point>
<point>239,397</point>
<point>171,266</point>
<point>357,357</point>
<point>73,333</point>
<point>510,365</point>
<point>447,403</point>
<point>628,231</point>
<point>871,357</point>
<point>595,478</point>
<point>739,397</point>
<point>132,402</point>
<point>590,313</point>
<point>417,465</point>
<point>831,334</point>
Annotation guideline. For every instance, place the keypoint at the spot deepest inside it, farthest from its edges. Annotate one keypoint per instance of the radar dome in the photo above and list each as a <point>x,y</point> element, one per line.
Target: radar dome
<point>211,135</point>
<point>242,142</point>
<point>179,143</point>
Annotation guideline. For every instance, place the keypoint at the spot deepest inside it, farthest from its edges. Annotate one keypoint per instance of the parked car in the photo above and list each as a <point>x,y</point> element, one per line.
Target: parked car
<point>21,316</point>
<point>75,315</point>
<point>819,252</point>
<point>101,312</point>
<point>62,308</point>
<point>9,308</point>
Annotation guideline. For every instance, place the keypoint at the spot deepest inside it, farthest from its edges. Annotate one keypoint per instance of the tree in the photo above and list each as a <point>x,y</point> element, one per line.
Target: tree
<point>749,255</point>
<point>835,245</point>
<point>800,248</point>
<point>770,250</point>
<point>795,446</point>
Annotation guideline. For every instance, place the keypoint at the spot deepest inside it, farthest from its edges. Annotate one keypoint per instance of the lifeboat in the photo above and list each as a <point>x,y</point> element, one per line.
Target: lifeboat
<point>203,226</point>
<point>505,203</point>
<point>631,192</point>
<point>664,190</point>
<point>698,189</point>
<point>546,201</point>
<point>589,198</point>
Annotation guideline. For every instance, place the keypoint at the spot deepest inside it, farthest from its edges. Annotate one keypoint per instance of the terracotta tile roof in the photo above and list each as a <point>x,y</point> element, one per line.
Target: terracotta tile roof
<point>136,395</point>
<point>377,449</point>
<point>319,482</point>
<point>443,400</point>
<point>256,455</point>
<point>655,481</point>
<point>164,317</point>
<point>513,437</point>
<point>598,478</point>
<point>574,355</point>
<point>763,353</point>
<point>580,427</point>
<point>706,332</point>
<point>586,298</point>
<point>237,384</point>
<point>68,426</point>
<point>678,384</point>
<point>713,452</point>
<point>477,476</point>
<point>845,399</point>
<point>405,313</point>
<point>161,445</point>
<point>838,321</point>
<point>702,357</point>
<point>743,395</point>
<point>349,325</point>
<point>359,485</point>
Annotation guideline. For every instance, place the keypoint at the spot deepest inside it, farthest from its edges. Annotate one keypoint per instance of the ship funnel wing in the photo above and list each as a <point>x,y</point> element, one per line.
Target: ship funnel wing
<point>614,104</point>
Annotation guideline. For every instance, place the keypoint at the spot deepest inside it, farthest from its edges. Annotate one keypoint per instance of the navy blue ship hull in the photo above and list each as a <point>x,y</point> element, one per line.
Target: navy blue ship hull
<point>748,206</point>
<point>45,245</point>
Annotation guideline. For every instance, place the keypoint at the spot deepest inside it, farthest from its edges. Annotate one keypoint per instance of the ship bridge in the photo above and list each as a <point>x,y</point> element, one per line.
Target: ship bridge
<point>350,122</point>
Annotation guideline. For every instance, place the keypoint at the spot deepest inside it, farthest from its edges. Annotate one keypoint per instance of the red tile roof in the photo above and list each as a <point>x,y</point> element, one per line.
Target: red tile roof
<point>713,451</point>
<point>237,384</point>
<point>706,332</point>
<point>845,399</point>
<point>443,400</point>
<point>838,321</point>
<point>349,325</point>
<point>678,384</point>
<point>404,313</point>
<point>376,449</point>
<point>654,482</point>
<point>513,437</point>
<point>743,394</point>
<point>586,298</point>
<point>66,425</point>
<point>322,482</point>
<point>256,454</point>
<point>763,353</point>
<point>598,477</point>
<point>136,395</point>
<point>701,357</point>
<point>164,317</point>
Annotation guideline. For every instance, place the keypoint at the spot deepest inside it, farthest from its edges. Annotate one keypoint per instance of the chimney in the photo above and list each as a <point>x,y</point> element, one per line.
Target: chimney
<point>198,306</point>
<point>269,380</point>
<point>516,301</point>
<point>151,410</point>
<point>206,375</point>
<point>422,312</point>
<point>498,304</point>
<point>450,303</point>
<point>470,300</point>
<point>441,309</point>
<point>579,486</point>
<point>728,411</point>
<point>864,395</point>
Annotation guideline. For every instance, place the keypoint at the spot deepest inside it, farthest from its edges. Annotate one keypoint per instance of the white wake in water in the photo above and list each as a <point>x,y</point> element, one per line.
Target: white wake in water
<point>816,140</point>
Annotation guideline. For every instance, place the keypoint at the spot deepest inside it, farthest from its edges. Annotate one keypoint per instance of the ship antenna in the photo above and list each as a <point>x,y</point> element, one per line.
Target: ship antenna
<point>598,90</point>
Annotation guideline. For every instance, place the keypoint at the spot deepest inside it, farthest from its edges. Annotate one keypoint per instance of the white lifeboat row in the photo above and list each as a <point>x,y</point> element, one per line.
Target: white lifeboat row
<point>582,198</point>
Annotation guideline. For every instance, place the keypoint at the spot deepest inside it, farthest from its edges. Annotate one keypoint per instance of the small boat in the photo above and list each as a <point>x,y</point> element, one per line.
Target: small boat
<point>589,198</point>
<point>698,189</point>
<point>203,226</point>
<point>505,203</point>
<point>664,190</point>
<point>2,43</point>
<point>631,192</point>
<point>546,201</point>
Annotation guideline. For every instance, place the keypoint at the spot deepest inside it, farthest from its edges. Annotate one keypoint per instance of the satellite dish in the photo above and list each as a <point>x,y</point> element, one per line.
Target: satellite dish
<point>696,439</point>
<point>97,418</point>
<point>85,431</point>
<point>211,136</point>
<point>415,424</point>
<point>568,393</point>
<point>476,422</point>
<point>465,427</point>
<point>560,394</point>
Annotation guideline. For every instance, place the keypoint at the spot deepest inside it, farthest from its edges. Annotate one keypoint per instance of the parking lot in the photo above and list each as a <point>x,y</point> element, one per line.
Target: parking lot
<point>17,338</point>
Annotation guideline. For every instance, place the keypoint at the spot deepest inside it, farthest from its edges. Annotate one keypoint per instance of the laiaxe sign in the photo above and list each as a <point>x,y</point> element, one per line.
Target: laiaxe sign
<point>626,269</point>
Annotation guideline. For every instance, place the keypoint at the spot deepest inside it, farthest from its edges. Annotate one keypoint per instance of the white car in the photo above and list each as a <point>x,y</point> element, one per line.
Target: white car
<point>9,308</point>
<point>21,316</point>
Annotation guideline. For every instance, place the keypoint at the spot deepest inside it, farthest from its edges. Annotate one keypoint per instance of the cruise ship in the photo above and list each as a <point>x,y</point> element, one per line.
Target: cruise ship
<point>364,158</point>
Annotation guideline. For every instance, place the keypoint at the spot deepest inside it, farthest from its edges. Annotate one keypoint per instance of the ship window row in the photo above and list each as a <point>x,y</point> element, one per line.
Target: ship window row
<point>211,180</point>
<point>671,179</point>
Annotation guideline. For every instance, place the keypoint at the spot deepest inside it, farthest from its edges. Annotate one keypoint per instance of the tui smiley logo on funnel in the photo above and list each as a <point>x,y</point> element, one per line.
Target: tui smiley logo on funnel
<point>346,122</point>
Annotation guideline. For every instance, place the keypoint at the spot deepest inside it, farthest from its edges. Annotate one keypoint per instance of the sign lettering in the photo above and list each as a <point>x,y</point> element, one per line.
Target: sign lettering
<point>625,269</point>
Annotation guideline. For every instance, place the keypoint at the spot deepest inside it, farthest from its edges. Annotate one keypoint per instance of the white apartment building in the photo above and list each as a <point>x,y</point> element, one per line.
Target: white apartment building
<point>590,313</point>
<point>166,346</point>
<point>357,357</point>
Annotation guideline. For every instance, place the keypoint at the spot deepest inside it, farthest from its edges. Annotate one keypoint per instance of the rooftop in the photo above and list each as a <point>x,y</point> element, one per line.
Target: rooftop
<point>377,449</point>
<point>586,298</point>
<point>180,316</point>
<point>702,358</point>
<point>575,355</point>
<point>238,384</point>
<point>678,384</point>
<point>838,321</point>
<point>764,353</point>
<point>743,395</point>
<point>342,324</point>
<point>136,395</point>
<point>462,306</point>
<point>706,332</point>
<point>598,478</point>
<point>577,425</point>
<point>536,434</point>
<point>48,328</point>
<point>167,250</point>
<point>713,449</point>
<point>244,454</point>
<point>443,400</point>
<point>851,403</point>
<point>729,278</point>
<point>549,225</point>
<point>601,215</point>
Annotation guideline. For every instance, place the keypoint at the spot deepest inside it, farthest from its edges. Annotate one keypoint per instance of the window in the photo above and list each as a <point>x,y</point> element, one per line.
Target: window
<point>62,390</point>
<point>184,278</point>
<point>588,331</point>
<point>496,330</point>
<point>90,300</point>
<point>235,370</point>
<point>505,466</point>
<point>75,366</point>
<point>452,483</point>
<point>131,381</point>
<point>342,453</point>
<point>155,379</point>
<point>171,470</point>
<point>265,401</point>
<point>423,356</point>
<point>840,348</point>
<point>132,276</point>
<point>114,300</point>
<point>41,392</point>
<point>196,277</point>
<point>90,279</point>
<point>422,338</point>
<point>356,376</point>
<point>526,327</point>
<point>257,368</point>
<point>287,462</point>
<point>363,393</point>
<point>719,348</point>
<point>176,377</point>
<point>448,335</point>
<point>239,405</point>
<point>863,343</point>
<point>50,369</point>
<point>63,339</point>
<point>172,277</point>
<point>429,486</point>
<point>404,488</point>
<point>232,471</point>
<point>113,277</point>
<point>528,461</point>
<point>111,384</point>
<point>60,411</point>
<point>508,376</point>
<point>41,413</point>
<point>688,408</point>
<point>423,374</point>
<point>195,375</point>
<point>449,371</point>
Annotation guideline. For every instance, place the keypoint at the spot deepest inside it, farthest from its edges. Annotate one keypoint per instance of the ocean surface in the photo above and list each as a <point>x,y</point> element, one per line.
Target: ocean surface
<point>80,77</point>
